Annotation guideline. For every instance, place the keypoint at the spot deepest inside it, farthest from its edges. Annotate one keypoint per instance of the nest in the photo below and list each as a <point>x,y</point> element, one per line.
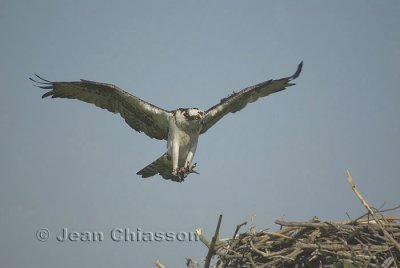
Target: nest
<point>359,243</point>
<point>372,240</point>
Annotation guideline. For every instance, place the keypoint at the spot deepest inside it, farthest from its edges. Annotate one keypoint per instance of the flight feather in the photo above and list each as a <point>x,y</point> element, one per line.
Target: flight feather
<point>238,100</point>
<point>138,114</point>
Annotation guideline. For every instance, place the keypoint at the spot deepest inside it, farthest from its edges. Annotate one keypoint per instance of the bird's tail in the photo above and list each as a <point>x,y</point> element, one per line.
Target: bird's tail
<point>162,166</point>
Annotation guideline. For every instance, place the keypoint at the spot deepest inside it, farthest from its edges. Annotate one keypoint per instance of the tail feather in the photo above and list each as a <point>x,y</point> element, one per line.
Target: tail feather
<point>162,166</point>
<point>152,169</point>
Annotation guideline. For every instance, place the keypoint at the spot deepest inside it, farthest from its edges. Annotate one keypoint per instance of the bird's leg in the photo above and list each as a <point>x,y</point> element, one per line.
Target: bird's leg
<point>189,159</point>
<point>187,168</point>
<point>175,157</point>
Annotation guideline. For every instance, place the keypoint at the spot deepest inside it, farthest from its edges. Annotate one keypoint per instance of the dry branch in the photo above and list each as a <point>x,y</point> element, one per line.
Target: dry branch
<point>159,264</point>
<point>211,249</point>
<point>378,221</point>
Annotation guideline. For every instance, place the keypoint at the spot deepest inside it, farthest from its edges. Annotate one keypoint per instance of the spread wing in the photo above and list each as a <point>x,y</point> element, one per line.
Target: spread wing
<point>140,115</point>
<point>237,101</point>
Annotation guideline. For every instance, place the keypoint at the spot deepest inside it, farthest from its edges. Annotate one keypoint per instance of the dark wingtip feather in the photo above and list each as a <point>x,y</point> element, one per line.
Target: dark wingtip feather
<point>50,93</point>
<point>43,78</point>
<point>44,84</point>
<point>298,71</point>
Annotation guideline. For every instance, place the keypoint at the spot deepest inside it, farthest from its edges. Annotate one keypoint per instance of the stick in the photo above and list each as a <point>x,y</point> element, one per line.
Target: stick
<point>359,196</point>
<point>159,265</point>
<point>199,233</point>
<point>237,229</point>
<point>211,249</point>
<point>302,224</point>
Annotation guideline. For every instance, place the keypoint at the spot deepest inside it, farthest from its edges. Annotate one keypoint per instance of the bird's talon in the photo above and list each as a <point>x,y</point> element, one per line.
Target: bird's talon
<point>184,171</point>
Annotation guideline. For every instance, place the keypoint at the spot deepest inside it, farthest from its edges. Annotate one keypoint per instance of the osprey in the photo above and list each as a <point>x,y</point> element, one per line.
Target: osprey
<point>180,128</point>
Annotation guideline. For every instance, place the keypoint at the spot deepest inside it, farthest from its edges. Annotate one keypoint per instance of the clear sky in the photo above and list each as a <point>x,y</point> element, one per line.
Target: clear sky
<point>68,164</point>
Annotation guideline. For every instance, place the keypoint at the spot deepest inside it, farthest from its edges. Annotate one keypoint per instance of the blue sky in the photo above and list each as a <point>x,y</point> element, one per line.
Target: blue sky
<point>68,164</point>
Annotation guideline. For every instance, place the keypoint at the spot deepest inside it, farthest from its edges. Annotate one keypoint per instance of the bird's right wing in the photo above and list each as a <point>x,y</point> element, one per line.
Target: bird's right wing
<point>140,115</point>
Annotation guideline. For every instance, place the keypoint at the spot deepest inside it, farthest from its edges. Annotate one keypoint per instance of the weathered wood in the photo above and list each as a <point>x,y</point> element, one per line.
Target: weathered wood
<point>311,243</point>
<point>211,249</point>
<point>377,221</point>
<point>371,240</point>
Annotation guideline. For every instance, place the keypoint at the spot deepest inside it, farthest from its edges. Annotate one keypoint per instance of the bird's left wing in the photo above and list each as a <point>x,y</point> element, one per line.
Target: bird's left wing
<point>138,114</point>
<point>239,100</point>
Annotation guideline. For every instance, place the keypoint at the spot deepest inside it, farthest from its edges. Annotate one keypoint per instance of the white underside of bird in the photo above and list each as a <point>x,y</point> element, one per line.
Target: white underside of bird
<point>183,136</point>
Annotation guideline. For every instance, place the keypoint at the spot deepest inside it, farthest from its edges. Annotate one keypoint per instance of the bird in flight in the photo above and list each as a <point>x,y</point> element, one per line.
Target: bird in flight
<point>181,128</point>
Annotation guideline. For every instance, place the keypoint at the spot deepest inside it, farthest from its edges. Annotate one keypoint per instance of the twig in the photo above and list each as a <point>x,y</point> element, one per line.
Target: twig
<point>191,263</point>
<point>159,265</point>
<point>358,194</point>
<point>264,254</point>
<point>380,211</point>
<point>199,233</point>
<point>280,235</point>
<point>302,224</point>
<point>237,229</point>
<point>389,209</point>
<point>211,249</point>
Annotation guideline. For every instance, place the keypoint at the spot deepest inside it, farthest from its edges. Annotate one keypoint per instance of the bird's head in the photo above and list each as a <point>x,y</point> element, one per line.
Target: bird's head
<point>191,114</point>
